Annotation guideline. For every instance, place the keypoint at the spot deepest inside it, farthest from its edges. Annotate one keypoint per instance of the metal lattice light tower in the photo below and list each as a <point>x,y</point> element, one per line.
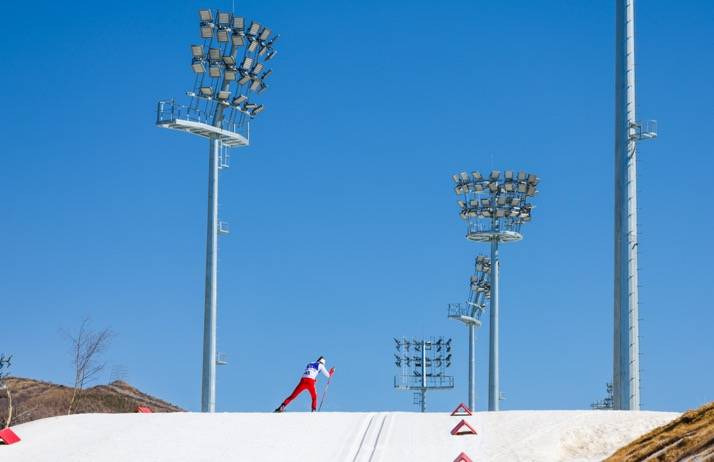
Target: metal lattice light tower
<point>423,364</point>
<point>494,209</point>
<point>470,314</point>
<point>230,70</point>
<point>626,361</point>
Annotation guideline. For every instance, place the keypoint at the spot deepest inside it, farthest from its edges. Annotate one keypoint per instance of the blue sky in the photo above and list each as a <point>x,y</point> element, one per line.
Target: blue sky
<point>345,229</point>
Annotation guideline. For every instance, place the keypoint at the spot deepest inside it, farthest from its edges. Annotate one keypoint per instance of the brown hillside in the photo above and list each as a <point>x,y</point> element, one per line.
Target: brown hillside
<point>34,399</point>
<point>689,438</point>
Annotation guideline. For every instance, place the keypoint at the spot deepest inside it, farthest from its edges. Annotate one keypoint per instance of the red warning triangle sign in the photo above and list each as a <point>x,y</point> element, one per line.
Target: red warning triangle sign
<point>460,430</point>
<point>8,436</point>
<point>463,458</point>
<point>461,410</point>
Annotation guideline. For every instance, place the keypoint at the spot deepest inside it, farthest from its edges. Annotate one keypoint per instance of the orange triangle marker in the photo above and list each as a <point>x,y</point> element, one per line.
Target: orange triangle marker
<point>457,430</point>
<point>463,458</point>
<point>461,410</point>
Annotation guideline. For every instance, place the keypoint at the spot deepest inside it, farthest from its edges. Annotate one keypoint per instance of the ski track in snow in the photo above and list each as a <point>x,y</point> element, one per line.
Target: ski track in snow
<point>507,436</point>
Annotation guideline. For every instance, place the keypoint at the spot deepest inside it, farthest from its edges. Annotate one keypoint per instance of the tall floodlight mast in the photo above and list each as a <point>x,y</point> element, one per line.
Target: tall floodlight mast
<point>230,69</point>
<point>494,209</point>
<point>626,361</point>
<point>470,314</point>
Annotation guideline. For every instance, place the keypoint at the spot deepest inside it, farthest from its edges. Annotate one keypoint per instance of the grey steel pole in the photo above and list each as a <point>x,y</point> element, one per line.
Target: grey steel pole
<point>208,385</point>
<point>423,376</point>
<point>493,391</point>
<point>626,364</point>
<point>472,366</point>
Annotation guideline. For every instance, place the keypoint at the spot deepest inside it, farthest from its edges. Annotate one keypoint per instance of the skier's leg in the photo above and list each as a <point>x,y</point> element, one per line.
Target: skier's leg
<point>298,389</point>
<point>313,395</point>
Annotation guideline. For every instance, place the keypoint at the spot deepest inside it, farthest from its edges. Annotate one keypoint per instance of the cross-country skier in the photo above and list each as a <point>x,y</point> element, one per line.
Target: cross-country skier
<point>307,382</point>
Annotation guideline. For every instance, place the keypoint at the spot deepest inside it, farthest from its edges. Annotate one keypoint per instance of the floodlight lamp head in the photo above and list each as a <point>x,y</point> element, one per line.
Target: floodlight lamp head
<point>205,15</point>
<point>247,63</point>
<point>237,40</point>
<point>264,34</point>
<point>245,78</point>
<point>257,69</point>
<point>238,100</point>
<point>495,174</point>
<point>207,30</point>
<point>238,24</point>
<point>253,29</point>
<point>197,66</point>
<point>224,18</point>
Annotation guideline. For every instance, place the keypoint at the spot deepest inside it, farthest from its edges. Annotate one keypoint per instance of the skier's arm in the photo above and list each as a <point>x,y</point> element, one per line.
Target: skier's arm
<point>324,371</point>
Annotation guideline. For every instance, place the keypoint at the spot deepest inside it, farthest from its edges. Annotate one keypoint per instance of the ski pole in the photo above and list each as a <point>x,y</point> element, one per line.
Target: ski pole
<point>324,392</point>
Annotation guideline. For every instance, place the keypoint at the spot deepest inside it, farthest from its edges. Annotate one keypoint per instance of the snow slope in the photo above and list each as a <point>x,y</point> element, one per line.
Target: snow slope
<point>509,436</point>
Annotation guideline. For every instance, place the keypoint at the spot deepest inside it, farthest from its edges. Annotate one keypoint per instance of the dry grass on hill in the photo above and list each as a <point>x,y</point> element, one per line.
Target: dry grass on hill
<point>34,399</point>
<point>689,438</point>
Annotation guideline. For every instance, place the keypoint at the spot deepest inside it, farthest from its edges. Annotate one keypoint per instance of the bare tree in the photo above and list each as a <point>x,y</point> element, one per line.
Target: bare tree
<point>87,348</point>
<point>5,363</point>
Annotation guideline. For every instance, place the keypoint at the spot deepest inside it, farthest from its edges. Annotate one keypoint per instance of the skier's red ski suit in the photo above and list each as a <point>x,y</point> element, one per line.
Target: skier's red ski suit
<point>306,383</point>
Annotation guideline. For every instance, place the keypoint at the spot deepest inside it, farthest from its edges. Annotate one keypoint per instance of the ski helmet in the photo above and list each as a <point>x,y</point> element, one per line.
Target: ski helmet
<point>321,360</point>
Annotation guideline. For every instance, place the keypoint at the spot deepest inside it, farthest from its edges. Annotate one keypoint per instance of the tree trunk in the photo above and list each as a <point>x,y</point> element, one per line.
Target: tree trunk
<point>9,406</point>
<point>75,394</point>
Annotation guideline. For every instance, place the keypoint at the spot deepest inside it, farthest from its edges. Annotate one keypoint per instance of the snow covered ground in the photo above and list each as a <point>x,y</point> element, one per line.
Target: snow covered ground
<point>509,436</point>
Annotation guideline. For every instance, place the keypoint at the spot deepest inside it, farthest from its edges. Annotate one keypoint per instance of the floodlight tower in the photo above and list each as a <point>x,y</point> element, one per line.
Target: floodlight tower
<point>425,368</point>
<point>494,210</point>
<point>470,314</point>
<point>626,361</point>
<point>230,69</point>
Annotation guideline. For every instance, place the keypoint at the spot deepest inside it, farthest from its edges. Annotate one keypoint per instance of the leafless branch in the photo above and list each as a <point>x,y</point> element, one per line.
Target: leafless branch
<point>87,348</point>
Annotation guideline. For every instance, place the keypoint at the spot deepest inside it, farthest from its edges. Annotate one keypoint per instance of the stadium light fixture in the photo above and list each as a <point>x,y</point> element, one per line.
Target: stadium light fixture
<point>425,369</point>
<point>225,121</point>
<point>496,218</point>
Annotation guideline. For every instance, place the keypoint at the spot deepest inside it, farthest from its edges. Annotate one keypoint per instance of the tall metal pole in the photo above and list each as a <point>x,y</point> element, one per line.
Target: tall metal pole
<point>423,376</point>
<point>626,364</point>
<point>208,385</point>
<point>472,366</point>
<point>493,391</point>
